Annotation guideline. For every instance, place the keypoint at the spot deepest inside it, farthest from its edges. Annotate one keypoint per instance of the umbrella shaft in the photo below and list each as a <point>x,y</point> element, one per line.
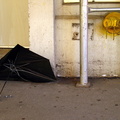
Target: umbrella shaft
<point>3,87</point>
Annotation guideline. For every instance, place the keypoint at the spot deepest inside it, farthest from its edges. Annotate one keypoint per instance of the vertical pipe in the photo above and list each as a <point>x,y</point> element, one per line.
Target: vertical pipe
<point>83,43</point>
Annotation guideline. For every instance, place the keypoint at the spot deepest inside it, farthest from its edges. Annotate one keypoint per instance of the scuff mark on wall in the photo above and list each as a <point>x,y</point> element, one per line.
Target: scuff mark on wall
<point>67,69</point>
<point>92,35</point>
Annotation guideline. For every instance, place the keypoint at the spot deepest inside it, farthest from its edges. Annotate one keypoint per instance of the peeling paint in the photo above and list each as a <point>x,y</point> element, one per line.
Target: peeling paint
<point>76,31</point>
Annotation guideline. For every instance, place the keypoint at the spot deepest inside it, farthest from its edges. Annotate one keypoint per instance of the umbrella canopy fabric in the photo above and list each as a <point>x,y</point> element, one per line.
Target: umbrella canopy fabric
<point>26,65</point>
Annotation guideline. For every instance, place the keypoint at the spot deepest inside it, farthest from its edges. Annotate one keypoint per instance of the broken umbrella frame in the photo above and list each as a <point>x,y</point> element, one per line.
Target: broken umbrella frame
<point>21,63</point>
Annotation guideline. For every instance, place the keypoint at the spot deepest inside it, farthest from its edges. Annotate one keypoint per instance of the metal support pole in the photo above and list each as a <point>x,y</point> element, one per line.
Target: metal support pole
<point>83,43</point>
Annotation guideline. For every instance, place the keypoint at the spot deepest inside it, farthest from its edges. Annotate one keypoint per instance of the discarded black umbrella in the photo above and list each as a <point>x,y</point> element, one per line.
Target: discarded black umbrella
<point>26,65</point>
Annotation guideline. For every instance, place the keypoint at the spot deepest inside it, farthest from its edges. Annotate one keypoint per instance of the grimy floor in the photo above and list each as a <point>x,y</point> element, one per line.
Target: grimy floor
<point>60,100</point>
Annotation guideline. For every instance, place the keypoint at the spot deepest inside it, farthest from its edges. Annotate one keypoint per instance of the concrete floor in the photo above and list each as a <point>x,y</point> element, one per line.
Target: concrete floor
<point>60,100</point>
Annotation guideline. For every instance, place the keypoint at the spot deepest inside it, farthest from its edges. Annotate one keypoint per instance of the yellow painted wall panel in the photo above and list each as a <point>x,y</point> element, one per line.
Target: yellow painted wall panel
<point>14,28</point>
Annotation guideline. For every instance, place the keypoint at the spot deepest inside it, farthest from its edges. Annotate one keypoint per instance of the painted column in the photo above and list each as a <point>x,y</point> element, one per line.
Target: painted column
<point>41,22</point>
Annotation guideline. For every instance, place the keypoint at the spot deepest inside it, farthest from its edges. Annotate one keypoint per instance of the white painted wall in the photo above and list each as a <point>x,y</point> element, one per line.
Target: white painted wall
<point>41,21</point>
<point>103,53</point>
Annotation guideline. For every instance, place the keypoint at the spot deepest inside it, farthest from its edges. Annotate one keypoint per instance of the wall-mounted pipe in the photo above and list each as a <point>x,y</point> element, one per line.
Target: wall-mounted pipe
<point>103,10</point>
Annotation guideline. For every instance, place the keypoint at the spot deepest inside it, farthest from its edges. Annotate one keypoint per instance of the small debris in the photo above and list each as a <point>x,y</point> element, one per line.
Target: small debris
<point>8,96</point>
<point>57,97</point>
<point>98,99</point>
<point>44,95</point>
<point>106,109</point>
<point>83,116</point>
<point>104,75</point>
<point>20,101</point>
<point>116,105</point>
<point>55,106</point>
<point>23,118</point>
<point>91,104</point>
